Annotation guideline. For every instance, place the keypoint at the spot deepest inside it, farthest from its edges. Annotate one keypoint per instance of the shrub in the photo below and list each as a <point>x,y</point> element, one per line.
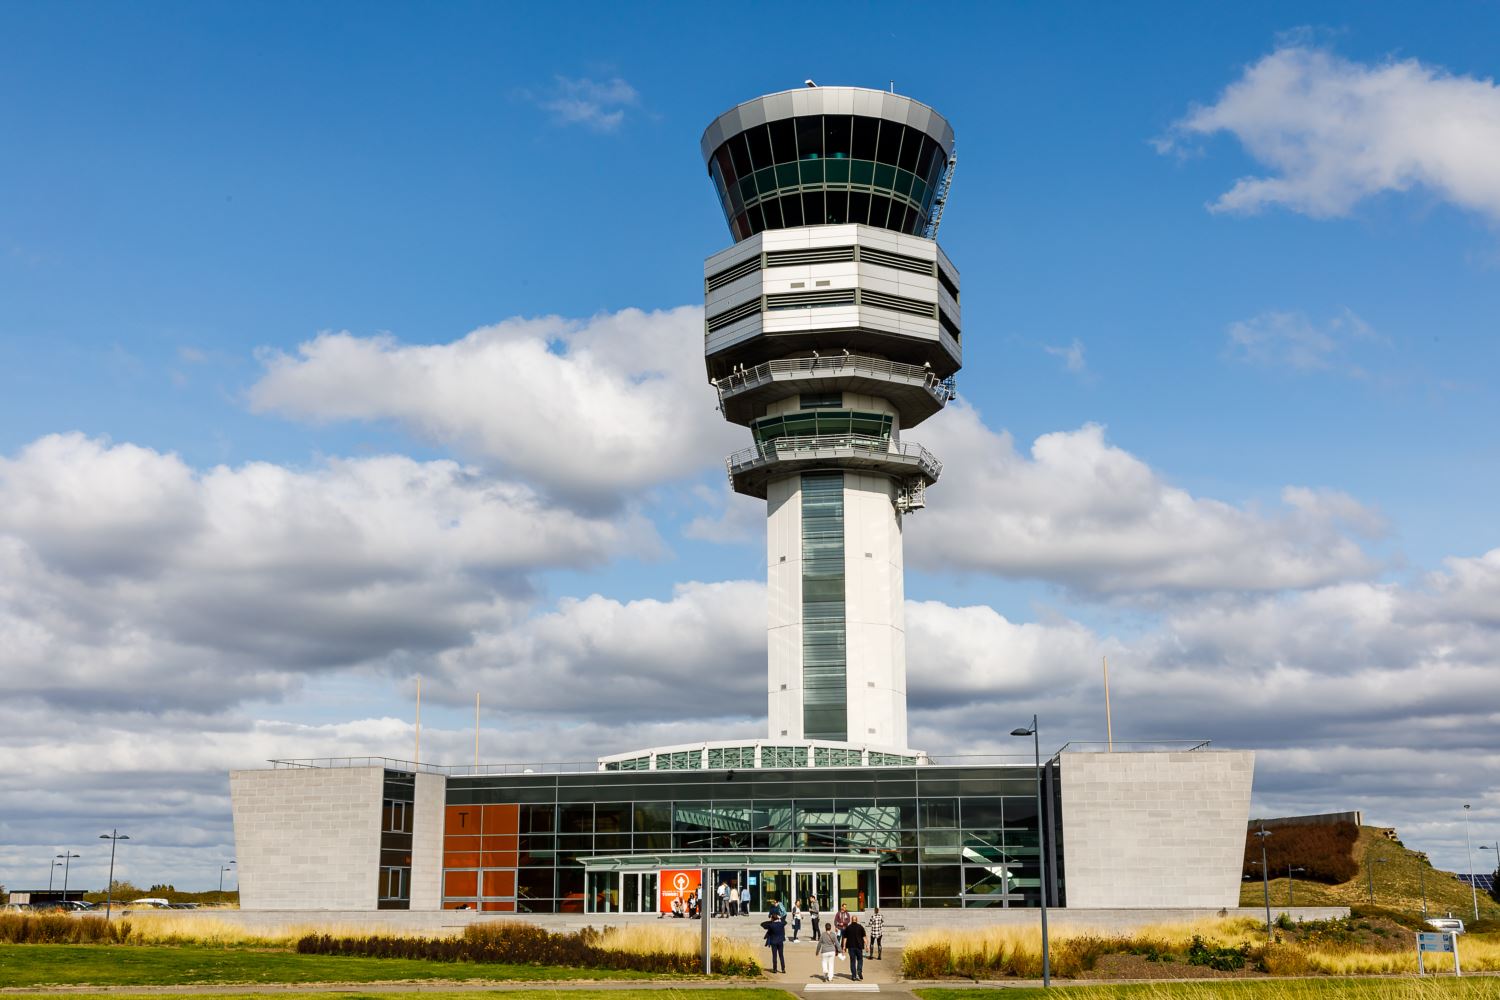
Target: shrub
<point>59,928</point>
<point>519,943</point>
<point>1326,851</point>
<point>1220,957</point>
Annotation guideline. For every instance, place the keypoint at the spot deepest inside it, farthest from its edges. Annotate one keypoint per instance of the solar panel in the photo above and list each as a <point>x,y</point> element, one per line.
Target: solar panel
<point>1484,883</point>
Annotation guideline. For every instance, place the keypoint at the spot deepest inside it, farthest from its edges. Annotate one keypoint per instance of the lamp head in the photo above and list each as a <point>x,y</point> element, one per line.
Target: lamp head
<point>1022,732</point>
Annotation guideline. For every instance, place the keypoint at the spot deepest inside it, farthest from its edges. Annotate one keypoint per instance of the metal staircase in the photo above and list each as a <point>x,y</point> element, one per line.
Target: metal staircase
<point>944,186</point>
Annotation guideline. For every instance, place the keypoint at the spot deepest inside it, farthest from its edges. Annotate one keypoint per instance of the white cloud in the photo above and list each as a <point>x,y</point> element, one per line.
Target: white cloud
<point>599,105</point>
<point>1275,339</point>
<point>592,411</point>
<point>1333,132</point>
<point>699,655</point>
<point>129,579</point>
<point>1082,512</point>
<point>1072,355</point>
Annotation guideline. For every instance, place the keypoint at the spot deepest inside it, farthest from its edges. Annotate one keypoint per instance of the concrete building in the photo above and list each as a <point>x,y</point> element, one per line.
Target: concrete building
<point>832,327</point>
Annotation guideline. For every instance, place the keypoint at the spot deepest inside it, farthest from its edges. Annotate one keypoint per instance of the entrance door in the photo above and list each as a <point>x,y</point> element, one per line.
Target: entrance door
<point>817,886</point>
<point>630,893</point>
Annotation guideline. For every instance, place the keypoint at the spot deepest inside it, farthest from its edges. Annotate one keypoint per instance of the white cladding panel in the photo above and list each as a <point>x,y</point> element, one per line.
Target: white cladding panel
<point>427,841</point>
<point>1155,829</point>
<point>784,607</point>
<point>308,838</point>
<point>876,678</point>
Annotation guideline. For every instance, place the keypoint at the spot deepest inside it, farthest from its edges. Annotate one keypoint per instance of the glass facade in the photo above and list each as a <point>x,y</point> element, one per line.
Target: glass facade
<point>397,803</point>
<point>910,836</point>
<point>825,709</point>
<point>873,427</point>
<point>825,169</point>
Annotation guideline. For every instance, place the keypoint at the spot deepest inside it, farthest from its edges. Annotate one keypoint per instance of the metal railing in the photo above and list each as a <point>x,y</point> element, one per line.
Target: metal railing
<point>852,364</point>
<point>799,447</point>
<point>1133,746</point>
<point>395,764</point>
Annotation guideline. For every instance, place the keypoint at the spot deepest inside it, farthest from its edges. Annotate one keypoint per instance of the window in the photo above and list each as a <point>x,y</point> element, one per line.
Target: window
<point>820,400</point>
<point>810,137</point>
<point>836,137</point>
<point>824,700</point>
<point>395,883</point>
<point>818,422</point>
<point>783,140</point>
<point>865,131</point>
<point>395,817</point>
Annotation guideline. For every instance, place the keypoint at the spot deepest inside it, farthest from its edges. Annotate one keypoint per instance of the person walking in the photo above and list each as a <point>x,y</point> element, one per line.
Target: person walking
<point>877,934</point>
<point>776,941</point>
<point>840,922</point>
<point>734,900</point>
<point>723,895</point>
<point>814,917</point>
<point>854,944</point>
<point>796,919</point>
<point>828,950</point>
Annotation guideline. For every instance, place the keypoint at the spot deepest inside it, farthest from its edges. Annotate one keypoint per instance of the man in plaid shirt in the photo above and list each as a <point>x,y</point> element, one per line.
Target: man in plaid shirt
<point>876,926</point>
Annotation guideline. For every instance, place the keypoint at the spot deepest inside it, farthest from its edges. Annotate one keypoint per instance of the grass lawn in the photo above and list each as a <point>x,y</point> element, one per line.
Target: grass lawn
<point>1467,988</point>
<point>23,965</point>
<point>685,993</point>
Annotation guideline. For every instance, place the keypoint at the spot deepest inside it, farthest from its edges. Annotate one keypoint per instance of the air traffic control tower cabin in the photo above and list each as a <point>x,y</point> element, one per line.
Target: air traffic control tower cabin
<point>832,330</point>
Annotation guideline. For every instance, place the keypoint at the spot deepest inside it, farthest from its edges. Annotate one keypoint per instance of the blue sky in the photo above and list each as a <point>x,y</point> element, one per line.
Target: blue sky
<point>191,191</point>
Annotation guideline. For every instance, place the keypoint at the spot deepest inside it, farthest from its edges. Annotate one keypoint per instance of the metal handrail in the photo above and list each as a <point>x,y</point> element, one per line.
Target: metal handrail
<point>790,445</point>
<point>849,364</point>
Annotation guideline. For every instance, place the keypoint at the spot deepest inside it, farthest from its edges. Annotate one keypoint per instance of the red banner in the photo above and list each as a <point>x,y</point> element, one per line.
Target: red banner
<point>677,884</point>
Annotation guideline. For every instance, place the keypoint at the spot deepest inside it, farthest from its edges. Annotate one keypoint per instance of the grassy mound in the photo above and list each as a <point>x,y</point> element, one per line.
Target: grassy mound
<point>1398,875</point>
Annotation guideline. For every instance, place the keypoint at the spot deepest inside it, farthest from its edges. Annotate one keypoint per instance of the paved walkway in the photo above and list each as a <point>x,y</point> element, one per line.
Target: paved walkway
<point>805,972</point>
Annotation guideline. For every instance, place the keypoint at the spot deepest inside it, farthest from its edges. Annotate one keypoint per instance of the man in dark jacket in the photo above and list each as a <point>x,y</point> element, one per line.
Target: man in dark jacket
<point>776,939</point>
<point>854,943</point>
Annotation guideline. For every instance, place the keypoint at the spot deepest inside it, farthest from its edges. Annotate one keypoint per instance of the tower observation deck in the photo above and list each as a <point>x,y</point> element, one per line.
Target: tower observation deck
<point>832,326</point>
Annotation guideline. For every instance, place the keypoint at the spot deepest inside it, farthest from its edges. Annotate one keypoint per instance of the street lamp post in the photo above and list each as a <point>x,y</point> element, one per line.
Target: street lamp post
<point>1041,841</point>
<point>1370,874</point>
<point>1422,874</point>
<point>114,837</point>
<point>1265,877</point>
<point>1290,880</point>
<point>1473,889</point>
<point>67,857</point>
<point>50,873</point>
<point>222,870</point>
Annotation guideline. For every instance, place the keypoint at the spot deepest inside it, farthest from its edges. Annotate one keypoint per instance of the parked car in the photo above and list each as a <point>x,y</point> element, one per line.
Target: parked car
<point>1446,924</point>
<point>183,906</point>
<point>151,903</point>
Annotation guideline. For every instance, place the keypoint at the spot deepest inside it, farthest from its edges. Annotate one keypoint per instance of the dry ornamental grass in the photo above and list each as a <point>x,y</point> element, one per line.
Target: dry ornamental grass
<point>1238,946</point>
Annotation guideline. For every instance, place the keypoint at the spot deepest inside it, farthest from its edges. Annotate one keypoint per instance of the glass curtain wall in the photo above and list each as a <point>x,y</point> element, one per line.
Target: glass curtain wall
<point>394,887</point>
<point>940,836</point>
<point>827,169</point>
<point>825,714</point>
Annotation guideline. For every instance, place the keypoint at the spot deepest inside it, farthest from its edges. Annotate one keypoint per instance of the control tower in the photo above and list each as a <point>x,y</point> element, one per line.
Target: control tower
<point>832,327</point>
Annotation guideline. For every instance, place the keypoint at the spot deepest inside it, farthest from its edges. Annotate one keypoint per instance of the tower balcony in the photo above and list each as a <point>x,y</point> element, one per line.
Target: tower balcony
<point>752,468</point>
<point>914,390</point>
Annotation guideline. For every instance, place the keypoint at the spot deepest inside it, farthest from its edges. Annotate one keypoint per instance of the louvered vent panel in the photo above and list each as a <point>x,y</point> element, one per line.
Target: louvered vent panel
<point>821,255</point>
<point>807,300</point>
<point>724,277</point>
<point>728,316</point>
<point>895,303</point>
<point>901,262</point>
<point>947,283</point>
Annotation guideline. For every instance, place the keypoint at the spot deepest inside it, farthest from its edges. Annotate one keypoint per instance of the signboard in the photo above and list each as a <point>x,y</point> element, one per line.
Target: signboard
<point>1441,942</point>
<point>677,883</point>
